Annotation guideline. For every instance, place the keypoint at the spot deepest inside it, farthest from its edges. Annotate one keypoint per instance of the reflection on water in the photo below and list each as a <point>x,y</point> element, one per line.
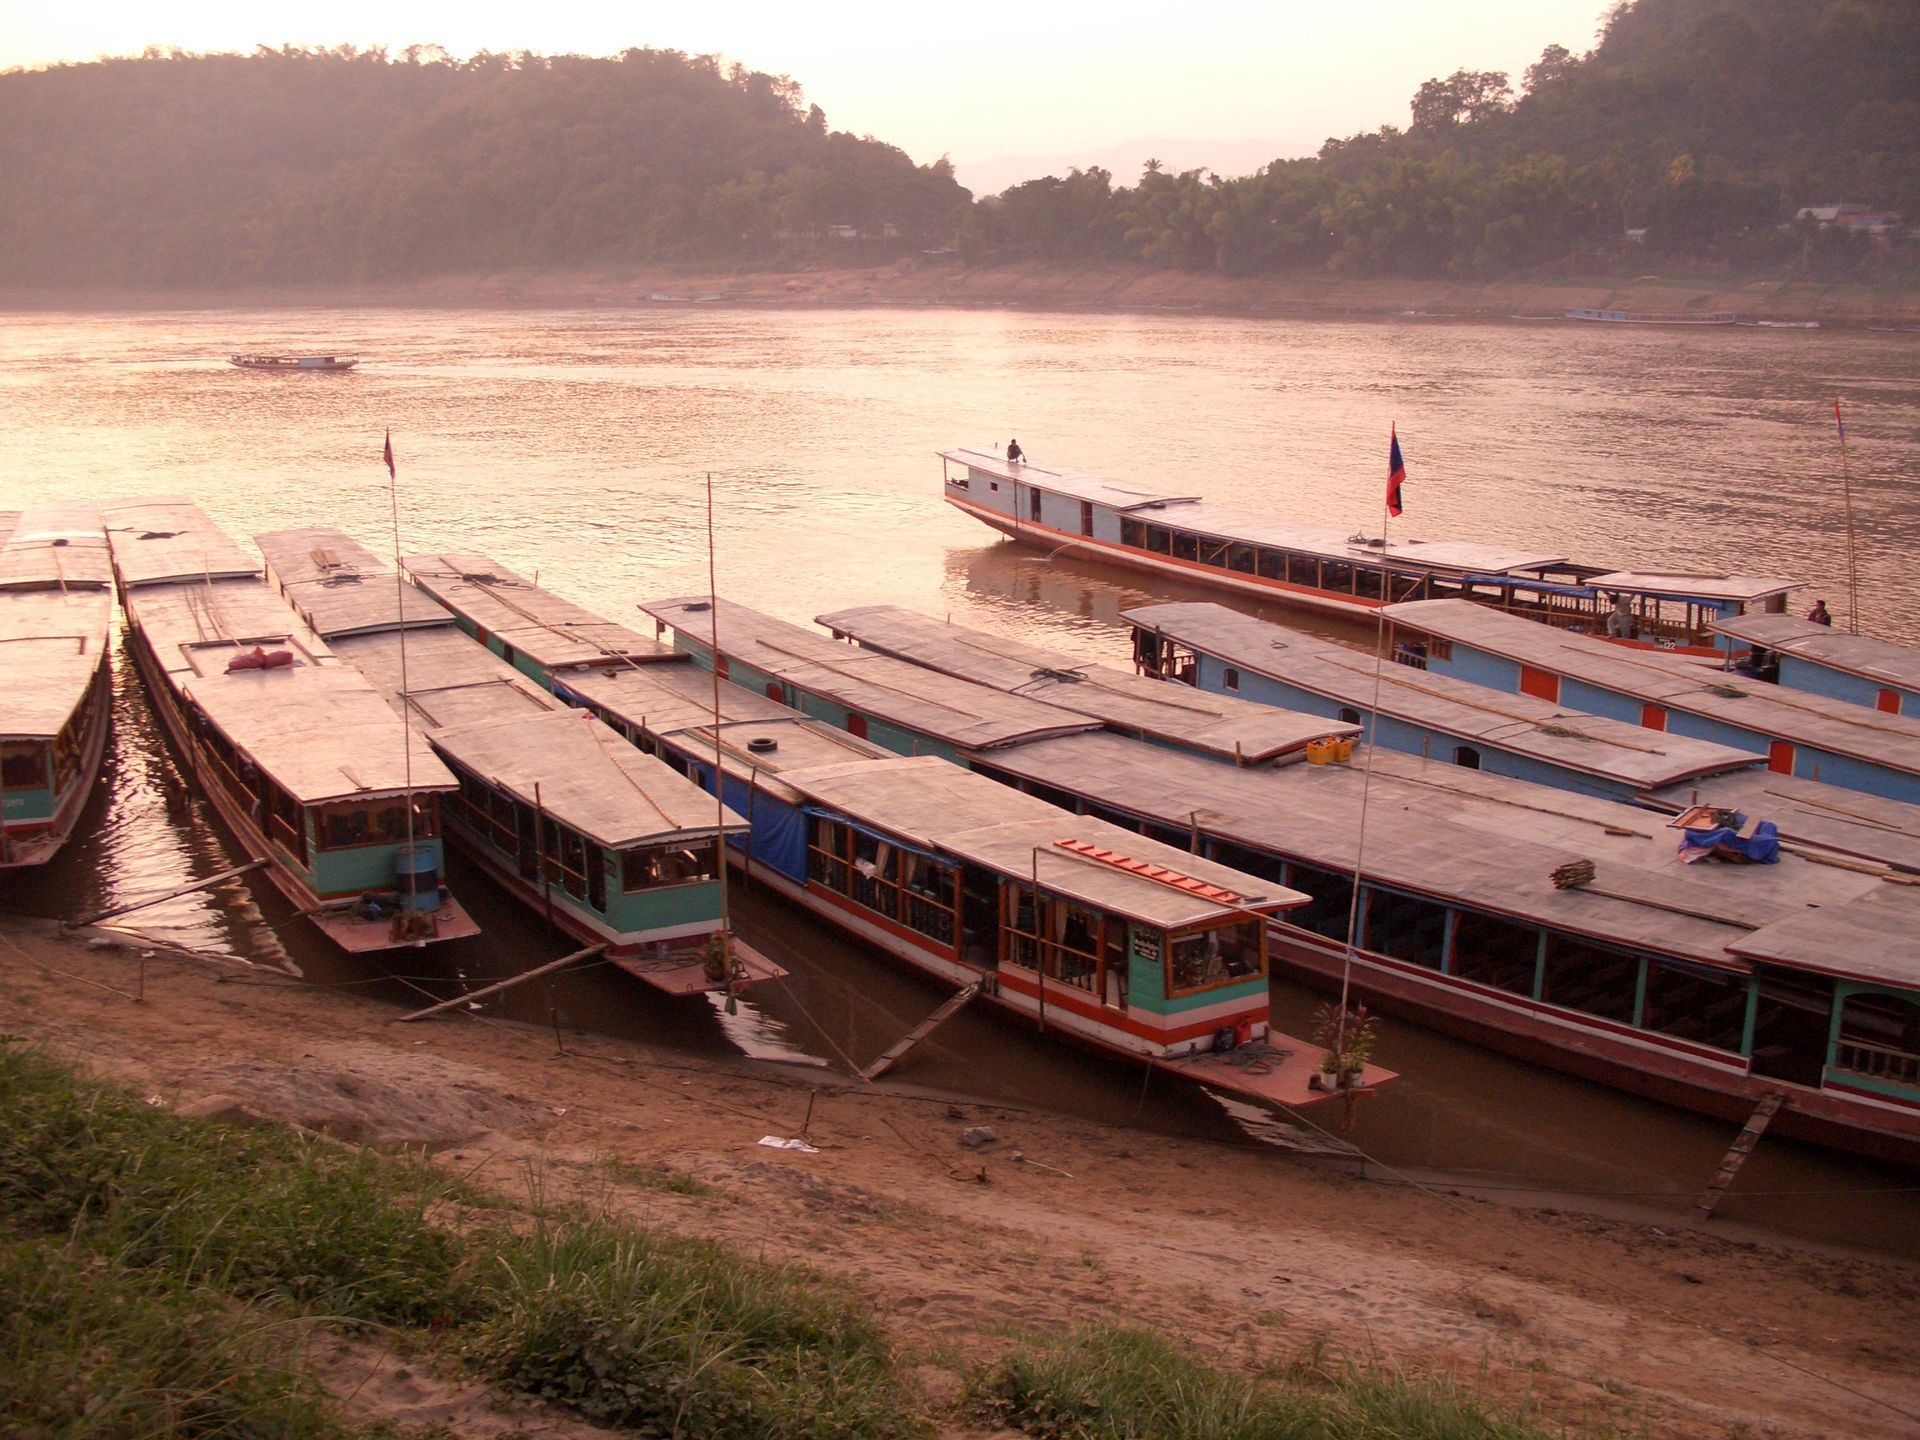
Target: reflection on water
<point>576,446</point>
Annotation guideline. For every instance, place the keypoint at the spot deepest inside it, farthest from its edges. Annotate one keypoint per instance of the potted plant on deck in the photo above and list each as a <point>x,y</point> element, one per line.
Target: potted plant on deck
<point>1347,1035</point>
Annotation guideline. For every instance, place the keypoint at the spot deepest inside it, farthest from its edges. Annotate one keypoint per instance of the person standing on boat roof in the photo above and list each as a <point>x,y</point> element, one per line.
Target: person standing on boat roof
<point>1819,614</point>
<point>1015,455</point>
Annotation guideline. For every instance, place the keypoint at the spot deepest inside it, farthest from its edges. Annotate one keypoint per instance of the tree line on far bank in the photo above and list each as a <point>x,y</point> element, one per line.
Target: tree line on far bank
<point>1694,130</point>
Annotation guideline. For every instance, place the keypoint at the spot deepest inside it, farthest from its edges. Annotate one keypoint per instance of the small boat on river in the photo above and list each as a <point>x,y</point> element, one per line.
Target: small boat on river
<point>55,609</point>
<point>294,363</point>
<point>1352,575</point>
<point>305,762</point>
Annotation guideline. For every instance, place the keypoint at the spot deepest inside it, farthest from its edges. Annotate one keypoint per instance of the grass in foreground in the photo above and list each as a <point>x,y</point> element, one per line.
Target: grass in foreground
<point>180,1229</point>
<point>1114,1384</point>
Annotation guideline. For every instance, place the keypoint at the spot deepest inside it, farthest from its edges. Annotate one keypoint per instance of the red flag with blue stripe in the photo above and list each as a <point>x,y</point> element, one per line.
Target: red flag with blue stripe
<point>1396,473</point>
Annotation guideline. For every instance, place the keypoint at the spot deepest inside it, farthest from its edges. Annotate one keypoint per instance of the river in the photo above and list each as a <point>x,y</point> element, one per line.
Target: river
<point>577,446</point>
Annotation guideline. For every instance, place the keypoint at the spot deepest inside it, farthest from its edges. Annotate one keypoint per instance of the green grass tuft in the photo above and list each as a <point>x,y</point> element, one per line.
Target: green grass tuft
<point>681,1337</point>
<point>1115,1384</point>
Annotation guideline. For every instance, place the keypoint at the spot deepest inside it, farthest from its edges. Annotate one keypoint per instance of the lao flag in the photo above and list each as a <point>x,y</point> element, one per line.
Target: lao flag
<point>386,454</point>
<point>1396,473</point>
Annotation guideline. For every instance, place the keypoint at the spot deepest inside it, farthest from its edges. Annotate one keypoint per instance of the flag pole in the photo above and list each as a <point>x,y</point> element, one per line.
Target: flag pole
<point>1389,507</point>
<point>1846,493</point>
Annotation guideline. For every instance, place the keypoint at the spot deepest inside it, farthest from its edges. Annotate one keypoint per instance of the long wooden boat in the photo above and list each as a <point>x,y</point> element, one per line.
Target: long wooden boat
<point>1351,575</point>
<point>609,844</point>
<point>294,364</point>
<point>1800,733</point>
<point>1088,930</point>
<point>55,610</point>
<point>304,761</point>
<point>1709,986</point>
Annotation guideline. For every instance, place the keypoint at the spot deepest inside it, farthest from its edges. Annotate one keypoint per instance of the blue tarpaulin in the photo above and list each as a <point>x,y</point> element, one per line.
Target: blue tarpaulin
<point>779,834</point>
<point>1760,848</point>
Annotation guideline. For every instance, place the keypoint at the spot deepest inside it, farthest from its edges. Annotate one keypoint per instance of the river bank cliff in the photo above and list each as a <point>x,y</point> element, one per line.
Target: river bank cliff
<point>944,281</point>
<point>1251,1259</point>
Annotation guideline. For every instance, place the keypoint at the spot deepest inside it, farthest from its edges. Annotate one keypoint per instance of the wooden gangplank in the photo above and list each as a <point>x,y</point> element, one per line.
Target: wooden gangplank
<point>952,1006</point>
<point>1738,1152</point>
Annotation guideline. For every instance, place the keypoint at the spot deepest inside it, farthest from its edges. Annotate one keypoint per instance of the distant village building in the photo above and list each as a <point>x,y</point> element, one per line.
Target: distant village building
<point>1849,216</point>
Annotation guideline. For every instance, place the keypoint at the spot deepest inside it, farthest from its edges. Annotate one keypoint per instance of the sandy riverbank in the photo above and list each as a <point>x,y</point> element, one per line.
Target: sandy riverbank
<point>1247,1256</point>
<point>945,282</point>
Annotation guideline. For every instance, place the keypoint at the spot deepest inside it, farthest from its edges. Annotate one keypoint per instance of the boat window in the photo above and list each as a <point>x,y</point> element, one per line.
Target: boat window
<point>565,852</point>
<point>1405,928</point>
<point>660,866</point>
<point>1241,558</point>
<point>1230,677</point>
<point>1159,540</point>
<point>1033,505</point>
<point>1249,862</point>
<point>378,822</point>
<point>1593,979</point>
<point>1223,956</point>
<point>1466,757</point>
<point>1185,546</point>
<point>1880,1038</point>
<point>1065,945</point>
<point>1336,576</point>
<point>286,822</point>
<point>1271,564</point>
<point>1691,1002</point>
<point>1790,1026</point>
<point>1350,715</point>
<point>1489,950</point>
<point>1326,913</point>
<point>1133,532</point>
<point>959,482</point>
<point>1303,570</point>
<point>827,855</point>
<point>23,765</point>
<point>1213,552</point>
<point>1367,582</point>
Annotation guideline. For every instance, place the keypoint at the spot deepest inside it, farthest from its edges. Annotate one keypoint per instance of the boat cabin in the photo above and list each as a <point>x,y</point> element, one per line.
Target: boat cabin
<point>1804,655</point>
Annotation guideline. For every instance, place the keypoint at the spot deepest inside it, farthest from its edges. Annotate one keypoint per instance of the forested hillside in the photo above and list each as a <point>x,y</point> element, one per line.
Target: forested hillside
<point>1704,124</point>
<point>1692,132</point>
<point>297,165</point>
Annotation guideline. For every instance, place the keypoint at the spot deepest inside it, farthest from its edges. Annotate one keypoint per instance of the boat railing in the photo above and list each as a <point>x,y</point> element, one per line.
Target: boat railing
<point>1881,1062</point>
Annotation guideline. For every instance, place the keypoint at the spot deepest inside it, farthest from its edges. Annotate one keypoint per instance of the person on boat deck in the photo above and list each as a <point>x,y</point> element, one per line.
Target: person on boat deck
<point>1819,614</point>
<point>1015,455</point>
<point>1620,622</point>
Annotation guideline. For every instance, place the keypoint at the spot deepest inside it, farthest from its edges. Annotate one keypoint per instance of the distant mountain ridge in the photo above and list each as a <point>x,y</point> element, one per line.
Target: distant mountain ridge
<point>1693,134</point>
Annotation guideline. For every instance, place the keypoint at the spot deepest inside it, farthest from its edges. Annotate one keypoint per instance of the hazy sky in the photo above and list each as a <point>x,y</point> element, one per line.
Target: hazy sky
<point>975,80</point>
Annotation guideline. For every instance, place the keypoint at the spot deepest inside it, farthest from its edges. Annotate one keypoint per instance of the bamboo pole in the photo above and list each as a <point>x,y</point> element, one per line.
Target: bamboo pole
<point>499,985</point>
<point>1846,494</point>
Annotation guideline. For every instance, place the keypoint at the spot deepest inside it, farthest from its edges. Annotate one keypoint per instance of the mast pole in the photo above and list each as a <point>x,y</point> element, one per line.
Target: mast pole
<point>1846,493</point>
<point>719,782</point>
<point>406,700</point>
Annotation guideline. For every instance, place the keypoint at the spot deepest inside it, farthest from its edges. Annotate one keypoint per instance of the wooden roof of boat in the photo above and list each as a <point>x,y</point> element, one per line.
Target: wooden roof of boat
<point>1222,522</point>
<point>662,699</point>
<point>1521,724</point>
<point>51,642</point>
<point>1678,684</point>
<point>1866,942</point>
<point>948,709</point>
<point>943,807</point>
<point>1485,841</point>
<point>481,713</point>
<point>1176,714</point>
<point>159,539</point>
<point>1707,585</point>
<point>551,631</point>
<point>316,727</point>
<point>342,588</point>
<point>1880,660</point>
<point>61,545</point>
